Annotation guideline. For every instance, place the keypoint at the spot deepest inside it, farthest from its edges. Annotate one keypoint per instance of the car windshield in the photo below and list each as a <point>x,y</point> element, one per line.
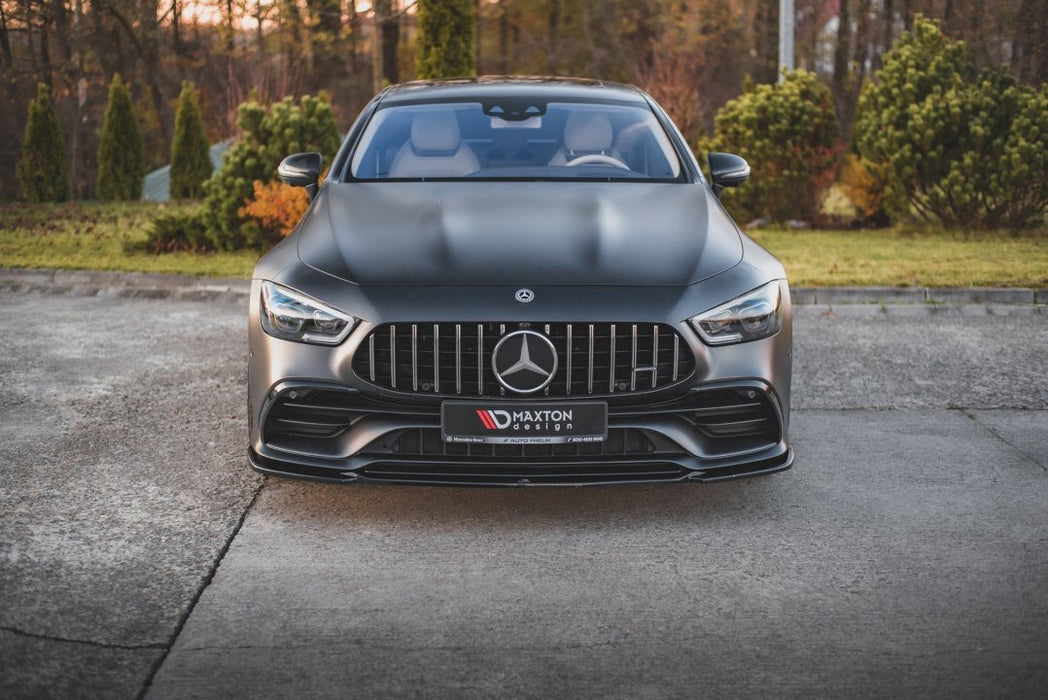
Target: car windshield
<point>525,140</point>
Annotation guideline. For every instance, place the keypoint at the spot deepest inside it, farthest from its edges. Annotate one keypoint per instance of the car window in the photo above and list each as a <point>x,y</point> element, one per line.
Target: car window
<point>503,139</point>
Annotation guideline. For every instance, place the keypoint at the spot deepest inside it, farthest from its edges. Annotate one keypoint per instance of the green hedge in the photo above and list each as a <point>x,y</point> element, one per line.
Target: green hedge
<point>956,148</point>
<point>190,150</point>
<point>790,135</point>
<point>43,168</point>
<point>121,153</point>
<point>268,136</point>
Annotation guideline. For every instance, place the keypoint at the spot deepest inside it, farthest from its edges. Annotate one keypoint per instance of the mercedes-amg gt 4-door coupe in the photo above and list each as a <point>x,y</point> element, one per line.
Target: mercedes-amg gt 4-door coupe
<point>518,281</point>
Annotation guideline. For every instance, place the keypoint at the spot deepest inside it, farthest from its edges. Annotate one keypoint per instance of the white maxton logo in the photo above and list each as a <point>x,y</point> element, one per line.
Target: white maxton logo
<point>503,419</point>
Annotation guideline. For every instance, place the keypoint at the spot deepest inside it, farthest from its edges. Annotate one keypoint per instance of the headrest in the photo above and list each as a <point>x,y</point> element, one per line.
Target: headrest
<point>435,134</point>
<point>587,131</point>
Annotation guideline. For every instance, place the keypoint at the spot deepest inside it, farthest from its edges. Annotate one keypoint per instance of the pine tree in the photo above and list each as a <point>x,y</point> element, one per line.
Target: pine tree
<point>43,169</point>
<point>190,159</point>
<point>445,39</point>
<point>121,154</point>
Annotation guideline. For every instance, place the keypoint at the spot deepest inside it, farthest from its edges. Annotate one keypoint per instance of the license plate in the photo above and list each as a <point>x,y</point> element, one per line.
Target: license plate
<point>502,422</point>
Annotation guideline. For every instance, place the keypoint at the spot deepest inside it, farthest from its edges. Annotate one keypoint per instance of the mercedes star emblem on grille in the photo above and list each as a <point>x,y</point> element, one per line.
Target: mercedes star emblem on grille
<point>524,295</point>
<point>524,361</point>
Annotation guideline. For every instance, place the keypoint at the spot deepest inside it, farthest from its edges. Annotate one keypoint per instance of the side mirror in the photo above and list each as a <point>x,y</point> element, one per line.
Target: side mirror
<point>727,170</point>
<point>301,170</point>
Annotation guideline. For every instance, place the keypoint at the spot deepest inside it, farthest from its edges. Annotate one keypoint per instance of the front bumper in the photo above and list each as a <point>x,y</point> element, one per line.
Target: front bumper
<point>313,416</point>
<point>334,433</point>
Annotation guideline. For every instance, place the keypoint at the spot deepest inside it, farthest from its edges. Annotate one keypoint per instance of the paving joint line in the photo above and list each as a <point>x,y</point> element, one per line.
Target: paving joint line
<point>212,570</point>
<point>989,429</point>
<point>85,642</point>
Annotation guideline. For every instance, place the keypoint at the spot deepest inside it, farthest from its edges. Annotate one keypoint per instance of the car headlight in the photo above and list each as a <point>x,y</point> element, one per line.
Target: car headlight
<point>292,316</point>
<point>755,315</point>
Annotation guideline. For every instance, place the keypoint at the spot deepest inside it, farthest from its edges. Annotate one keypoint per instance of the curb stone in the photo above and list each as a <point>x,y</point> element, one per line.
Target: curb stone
<point>830,300</point>
<point>918,295</point>
<point>138,285</point>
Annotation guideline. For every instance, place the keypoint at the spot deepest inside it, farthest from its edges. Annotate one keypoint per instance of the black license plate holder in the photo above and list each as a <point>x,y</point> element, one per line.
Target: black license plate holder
<point>524,423</point>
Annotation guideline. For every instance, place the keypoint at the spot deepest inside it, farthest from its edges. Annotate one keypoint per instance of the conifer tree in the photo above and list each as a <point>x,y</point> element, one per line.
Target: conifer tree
<point>43,169</point>
<point>445,39</point>
<point>121,153</point>
<point>190,159</point>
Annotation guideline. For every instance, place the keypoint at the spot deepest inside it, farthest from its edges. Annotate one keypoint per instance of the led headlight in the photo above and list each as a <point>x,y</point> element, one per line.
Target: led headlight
<point>752,316</point>
<point>292,316</point>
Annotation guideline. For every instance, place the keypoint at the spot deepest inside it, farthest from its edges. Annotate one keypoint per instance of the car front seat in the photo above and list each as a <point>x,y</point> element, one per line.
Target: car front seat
<point>435,149</point>
<point>585,133</point>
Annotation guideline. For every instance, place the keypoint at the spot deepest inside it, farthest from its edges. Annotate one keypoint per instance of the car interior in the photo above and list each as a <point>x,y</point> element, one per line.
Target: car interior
<point>555,140</point>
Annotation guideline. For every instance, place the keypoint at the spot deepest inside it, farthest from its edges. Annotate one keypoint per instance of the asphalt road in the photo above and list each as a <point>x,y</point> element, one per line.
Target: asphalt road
<point>905,554</point>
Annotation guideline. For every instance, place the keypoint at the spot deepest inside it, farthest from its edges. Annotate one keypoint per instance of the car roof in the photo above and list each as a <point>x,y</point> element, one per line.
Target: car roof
<point>535,87</point>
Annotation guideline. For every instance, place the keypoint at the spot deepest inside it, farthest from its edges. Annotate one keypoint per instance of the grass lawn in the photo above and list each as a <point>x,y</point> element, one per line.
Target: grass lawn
<point>94,236</point>
<point>897,257</point>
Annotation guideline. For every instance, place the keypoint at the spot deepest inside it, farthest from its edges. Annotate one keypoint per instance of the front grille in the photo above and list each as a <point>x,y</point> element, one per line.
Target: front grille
<point>427,442</point>
<point>454,359</point>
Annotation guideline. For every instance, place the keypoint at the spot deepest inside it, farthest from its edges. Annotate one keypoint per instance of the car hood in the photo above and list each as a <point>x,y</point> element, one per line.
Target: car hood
<point>518,233</point>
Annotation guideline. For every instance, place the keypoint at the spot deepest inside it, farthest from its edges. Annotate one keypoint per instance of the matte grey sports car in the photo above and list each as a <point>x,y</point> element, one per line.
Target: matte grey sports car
<point>518,281</point>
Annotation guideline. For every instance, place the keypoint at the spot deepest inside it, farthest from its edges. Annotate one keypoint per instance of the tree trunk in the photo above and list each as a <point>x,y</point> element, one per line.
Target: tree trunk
<point>1039,72</point>
<point>45,52</point>
<point>766,25</point>
<point>949,18</point>
<point>552,30</point>
<point>1030,44</point>
<point>354,27</point>
<point>60,17</point>
<point>176,28</point>
<point>477,26</point>
<point>149,27</point>
<point>81,98</point>
<point>27,8</point>
<point>6,59</point>
<point>860,60</point>
<point>503,38</point>
<point>390,46</point>
<point>841,54</point>
<point>260,35</point>
<point>386,38</point>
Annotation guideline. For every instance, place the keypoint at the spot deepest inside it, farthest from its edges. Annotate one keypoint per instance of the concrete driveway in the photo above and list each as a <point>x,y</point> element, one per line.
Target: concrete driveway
<point>905,554</point>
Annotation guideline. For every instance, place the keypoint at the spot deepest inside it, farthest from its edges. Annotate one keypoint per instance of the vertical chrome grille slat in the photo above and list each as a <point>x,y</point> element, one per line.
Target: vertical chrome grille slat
<point>436,358</point>
<point>567,382</point>
<point>371,354</point>
<point>393,355</point>
<point>414,357</point>
<point>633,361</point>
<point>480,358</point>
<point>589,381</point>
<point>676,354</point>
<point>655,356</point>
<point>583,367</point>
<point>458,358</point>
